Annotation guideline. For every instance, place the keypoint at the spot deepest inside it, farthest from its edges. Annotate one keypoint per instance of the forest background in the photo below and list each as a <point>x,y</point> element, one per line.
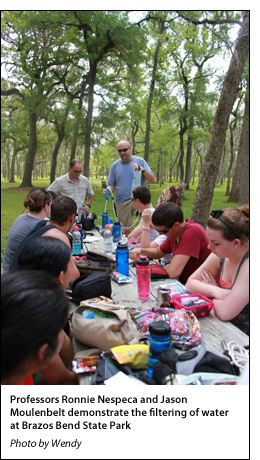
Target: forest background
<point>174,83</point>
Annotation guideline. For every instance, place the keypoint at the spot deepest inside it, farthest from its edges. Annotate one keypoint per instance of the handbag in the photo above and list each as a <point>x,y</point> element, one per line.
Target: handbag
<point>89,286</point>
<point>94,262</point>
<point>108,325</point>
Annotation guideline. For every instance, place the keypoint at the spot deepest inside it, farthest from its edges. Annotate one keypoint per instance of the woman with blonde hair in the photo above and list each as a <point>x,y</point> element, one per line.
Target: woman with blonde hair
<point>224,276</point>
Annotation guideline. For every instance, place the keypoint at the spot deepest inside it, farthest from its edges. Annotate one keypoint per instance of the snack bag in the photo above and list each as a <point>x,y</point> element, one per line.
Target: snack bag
<point>135,356</point>
<point>120,278</point>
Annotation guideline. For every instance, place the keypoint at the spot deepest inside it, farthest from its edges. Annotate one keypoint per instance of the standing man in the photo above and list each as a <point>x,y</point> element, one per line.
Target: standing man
<point>74,185</point>
<point>124,175</point>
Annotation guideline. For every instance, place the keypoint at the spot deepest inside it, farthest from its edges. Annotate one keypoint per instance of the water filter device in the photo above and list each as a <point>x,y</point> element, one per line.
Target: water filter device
<point>105,216</point>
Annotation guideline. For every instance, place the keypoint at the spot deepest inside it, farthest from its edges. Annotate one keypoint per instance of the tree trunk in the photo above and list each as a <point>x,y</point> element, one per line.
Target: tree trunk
<point>181,166</point>
<point>13,165</point>
<point>151,93</point>
<point>92,79</point>
<point>161,167</point>
<point>29,160</point>
<point>188,162</point>
<point>77,121</point>
<point>61,135</point>
<point>209,171</point>
<point>135,128</point>
<point>231,160</point>
<point>243,195</point>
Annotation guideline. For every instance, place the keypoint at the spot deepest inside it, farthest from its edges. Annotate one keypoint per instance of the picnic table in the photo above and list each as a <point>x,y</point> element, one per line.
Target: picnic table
<point>213,330</point>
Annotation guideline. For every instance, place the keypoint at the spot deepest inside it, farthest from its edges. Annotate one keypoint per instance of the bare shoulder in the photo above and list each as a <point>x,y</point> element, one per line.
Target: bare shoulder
<point>56,233</point>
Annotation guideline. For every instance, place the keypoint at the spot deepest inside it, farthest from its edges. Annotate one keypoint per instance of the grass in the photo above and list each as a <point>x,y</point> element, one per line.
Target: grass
<point>12,198</point>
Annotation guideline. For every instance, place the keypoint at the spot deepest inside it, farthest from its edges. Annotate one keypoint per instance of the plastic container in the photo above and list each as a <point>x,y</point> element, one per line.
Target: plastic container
<point>197,303</point>
<point>137,179</point>
<point>81,235</point>
<point>159,340</point>
<point>76,241</point>
<point>122,257</point>
<point>116,232</point>
<point>108,241</point>
<point>105,218</point>
<point>143,271</point>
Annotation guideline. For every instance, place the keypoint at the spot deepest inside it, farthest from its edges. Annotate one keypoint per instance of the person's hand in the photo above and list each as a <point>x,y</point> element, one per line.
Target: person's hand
<point>146,217</point>
<point>85,208</point>
<point>208,278</point>
<point>134,254</point>
<point>104,191</point>
<point>134,165</point>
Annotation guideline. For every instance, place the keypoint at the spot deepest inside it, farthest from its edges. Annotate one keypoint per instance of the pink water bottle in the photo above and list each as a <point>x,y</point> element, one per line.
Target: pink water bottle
<point>143,270</point>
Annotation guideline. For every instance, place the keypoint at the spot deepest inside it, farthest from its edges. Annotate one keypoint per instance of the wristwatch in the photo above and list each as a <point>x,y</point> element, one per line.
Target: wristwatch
<point>89,205</point>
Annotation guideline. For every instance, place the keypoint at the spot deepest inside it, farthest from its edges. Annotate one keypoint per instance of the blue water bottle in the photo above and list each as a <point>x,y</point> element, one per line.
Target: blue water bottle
<point>159,340</point>
<point>105,218</point>
<point>116,232</point>
<point>122,257</point>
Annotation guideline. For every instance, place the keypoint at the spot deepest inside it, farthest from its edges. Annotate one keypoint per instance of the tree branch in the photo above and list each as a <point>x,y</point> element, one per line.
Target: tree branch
<point>11,92</point>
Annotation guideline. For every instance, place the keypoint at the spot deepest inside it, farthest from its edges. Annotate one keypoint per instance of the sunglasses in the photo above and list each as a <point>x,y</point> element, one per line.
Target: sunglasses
<point>76,172</point>
<point>166,230</point>
<point>216,214</point>
<point>123,150</point>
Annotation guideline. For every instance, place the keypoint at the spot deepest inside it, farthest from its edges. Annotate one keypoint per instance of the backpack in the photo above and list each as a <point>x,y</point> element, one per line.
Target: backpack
<point>89,286</point>
<point>94,262</point>
<point>109,325</point>
<point>88,221</point>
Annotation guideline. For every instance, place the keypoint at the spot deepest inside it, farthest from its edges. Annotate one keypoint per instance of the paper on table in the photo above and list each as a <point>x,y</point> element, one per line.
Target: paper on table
<point>91,239</point>
<point>122,379</point>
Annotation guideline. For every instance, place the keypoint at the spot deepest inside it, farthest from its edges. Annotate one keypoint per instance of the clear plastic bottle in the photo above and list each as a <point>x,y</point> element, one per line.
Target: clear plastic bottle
<point>108,240</point>
<point>159,340</point>
<point>76,241</point>
<point>81,235</point>
<point>122,257</point>
<point>143,271</point>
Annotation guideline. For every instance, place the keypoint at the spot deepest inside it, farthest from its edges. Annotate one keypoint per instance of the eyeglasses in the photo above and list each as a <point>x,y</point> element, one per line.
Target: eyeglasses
<point>216,214</point>
<point>166,230</point>
<point>123,150</point>
<point>76,172</point>
<point>46,197</point>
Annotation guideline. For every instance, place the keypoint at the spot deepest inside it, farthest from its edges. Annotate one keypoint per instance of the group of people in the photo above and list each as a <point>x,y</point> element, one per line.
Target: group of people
<point>38,264</point>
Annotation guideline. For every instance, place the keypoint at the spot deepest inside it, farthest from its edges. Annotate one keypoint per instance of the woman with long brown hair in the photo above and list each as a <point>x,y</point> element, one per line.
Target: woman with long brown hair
<point>224,276</point>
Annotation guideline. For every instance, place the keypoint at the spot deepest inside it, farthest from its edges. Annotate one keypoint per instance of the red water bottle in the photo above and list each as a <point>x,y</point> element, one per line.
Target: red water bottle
<point>143,271</point>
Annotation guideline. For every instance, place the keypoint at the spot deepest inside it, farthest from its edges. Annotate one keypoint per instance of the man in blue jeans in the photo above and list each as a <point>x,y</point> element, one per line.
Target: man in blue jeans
<point>127,173</point>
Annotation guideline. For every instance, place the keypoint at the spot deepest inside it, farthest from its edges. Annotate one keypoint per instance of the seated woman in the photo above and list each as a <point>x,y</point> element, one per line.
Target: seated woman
<point>172,194</point>
<point>37,205</point>
<point>34,310</point>
<point>53,255</point>
<point>142,203</point>
<point>224,275</point>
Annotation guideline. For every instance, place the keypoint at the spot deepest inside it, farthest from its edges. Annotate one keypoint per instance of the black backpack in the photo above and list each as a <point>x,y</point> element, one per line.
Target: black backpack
<point>88,221</point>
<point>89,286</point>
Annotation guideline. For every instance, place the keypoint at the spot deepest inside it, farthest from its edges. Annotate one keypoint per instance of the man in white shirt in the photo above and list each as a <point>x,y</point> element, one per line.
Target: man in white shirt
<point>74,185</point>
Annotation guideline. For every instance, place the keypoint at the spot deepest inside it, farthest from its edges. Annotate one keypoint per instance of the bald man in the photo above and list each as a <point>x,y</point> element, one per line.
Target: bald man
<point>122,179</point>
